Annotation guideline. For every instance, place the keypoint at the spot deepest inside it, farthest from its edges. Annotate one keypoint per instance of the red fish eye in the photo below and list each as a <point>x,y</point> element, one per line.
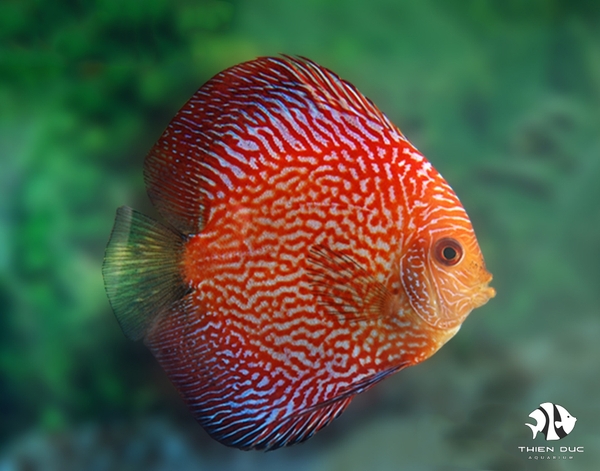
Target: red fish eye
<point>448,252</point>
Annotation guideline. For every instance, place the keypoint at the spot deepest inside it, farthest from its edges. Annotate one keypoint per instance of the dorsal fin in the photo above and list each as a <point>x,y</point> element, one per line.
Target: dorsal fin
<point>251,118</point>
<point>328,88</point>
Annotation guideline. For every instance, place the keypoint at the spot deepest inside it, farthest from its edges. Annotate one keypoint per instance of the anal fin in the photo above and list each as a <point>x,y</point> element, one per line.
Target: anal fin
<point>272,434</point>
<point>251,433</point>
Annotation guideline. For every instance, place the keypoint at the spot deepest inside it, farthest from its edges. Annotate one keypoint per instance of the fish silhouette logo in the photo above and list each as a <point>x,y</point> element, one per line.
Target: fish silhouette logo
<point>553,421</point>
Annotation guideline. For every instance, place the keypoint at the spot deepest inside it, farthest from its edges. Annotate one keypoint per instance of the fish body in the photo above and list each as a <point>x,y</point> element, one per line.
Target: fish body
<point>309,252</point>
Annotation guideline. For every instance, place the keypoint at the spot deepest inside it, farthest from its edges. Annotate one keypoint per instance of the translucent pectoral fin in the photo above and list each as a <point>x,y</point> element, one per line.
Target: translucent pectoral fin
<point>344,287</point>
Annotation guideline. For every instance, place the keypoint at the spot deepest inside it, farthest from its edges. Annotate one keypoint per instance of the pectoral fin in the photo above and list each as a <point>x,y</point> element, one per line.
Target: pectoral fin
<point>343,286</point>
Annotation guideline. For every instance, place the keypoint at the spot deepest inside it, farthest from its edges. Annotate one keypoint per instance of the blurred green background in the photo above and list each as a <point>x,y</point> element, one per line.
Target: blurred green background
<point>502,96</point>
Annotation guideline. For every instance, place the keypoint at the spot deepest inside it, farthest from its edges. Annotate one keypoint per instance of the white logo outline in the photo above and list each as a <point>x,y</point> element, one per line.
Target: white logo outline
<point>552,420</point>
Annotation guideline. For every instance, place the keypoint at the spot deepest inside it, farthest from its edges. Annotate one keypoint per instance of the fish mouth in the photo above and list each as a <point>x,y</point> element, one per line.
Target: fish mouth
<point>488,292</point>
<point>484,293</point>
<point>486,288</point>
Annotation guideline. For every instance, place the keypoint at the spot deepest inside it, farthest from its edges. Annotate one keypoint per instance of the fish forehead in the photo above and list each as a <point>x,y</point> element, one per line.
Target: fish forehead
<point>562,410</point>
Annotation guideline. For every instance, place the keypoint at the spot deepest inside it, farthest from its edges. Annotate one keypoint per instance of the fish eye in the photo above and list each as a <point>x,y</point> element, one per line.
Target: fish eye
<point>448,252</point>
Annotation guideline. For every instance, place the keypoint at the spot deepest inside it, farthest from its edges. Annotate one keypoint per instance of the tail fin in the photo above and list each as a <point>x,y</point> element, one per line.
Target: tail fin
<point>142,270</point>
<point>533,429</point>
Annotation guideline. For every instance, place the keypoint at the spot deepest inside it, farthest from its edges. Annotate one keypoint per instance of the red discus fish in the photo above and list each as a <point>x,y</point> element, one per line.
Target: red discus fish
<point>310,251</point>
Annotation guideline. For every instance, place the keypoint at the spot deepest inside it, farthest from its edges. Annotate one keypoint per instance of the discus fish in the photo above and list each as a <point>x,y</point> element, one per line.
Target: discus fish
<point>309,252</point>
